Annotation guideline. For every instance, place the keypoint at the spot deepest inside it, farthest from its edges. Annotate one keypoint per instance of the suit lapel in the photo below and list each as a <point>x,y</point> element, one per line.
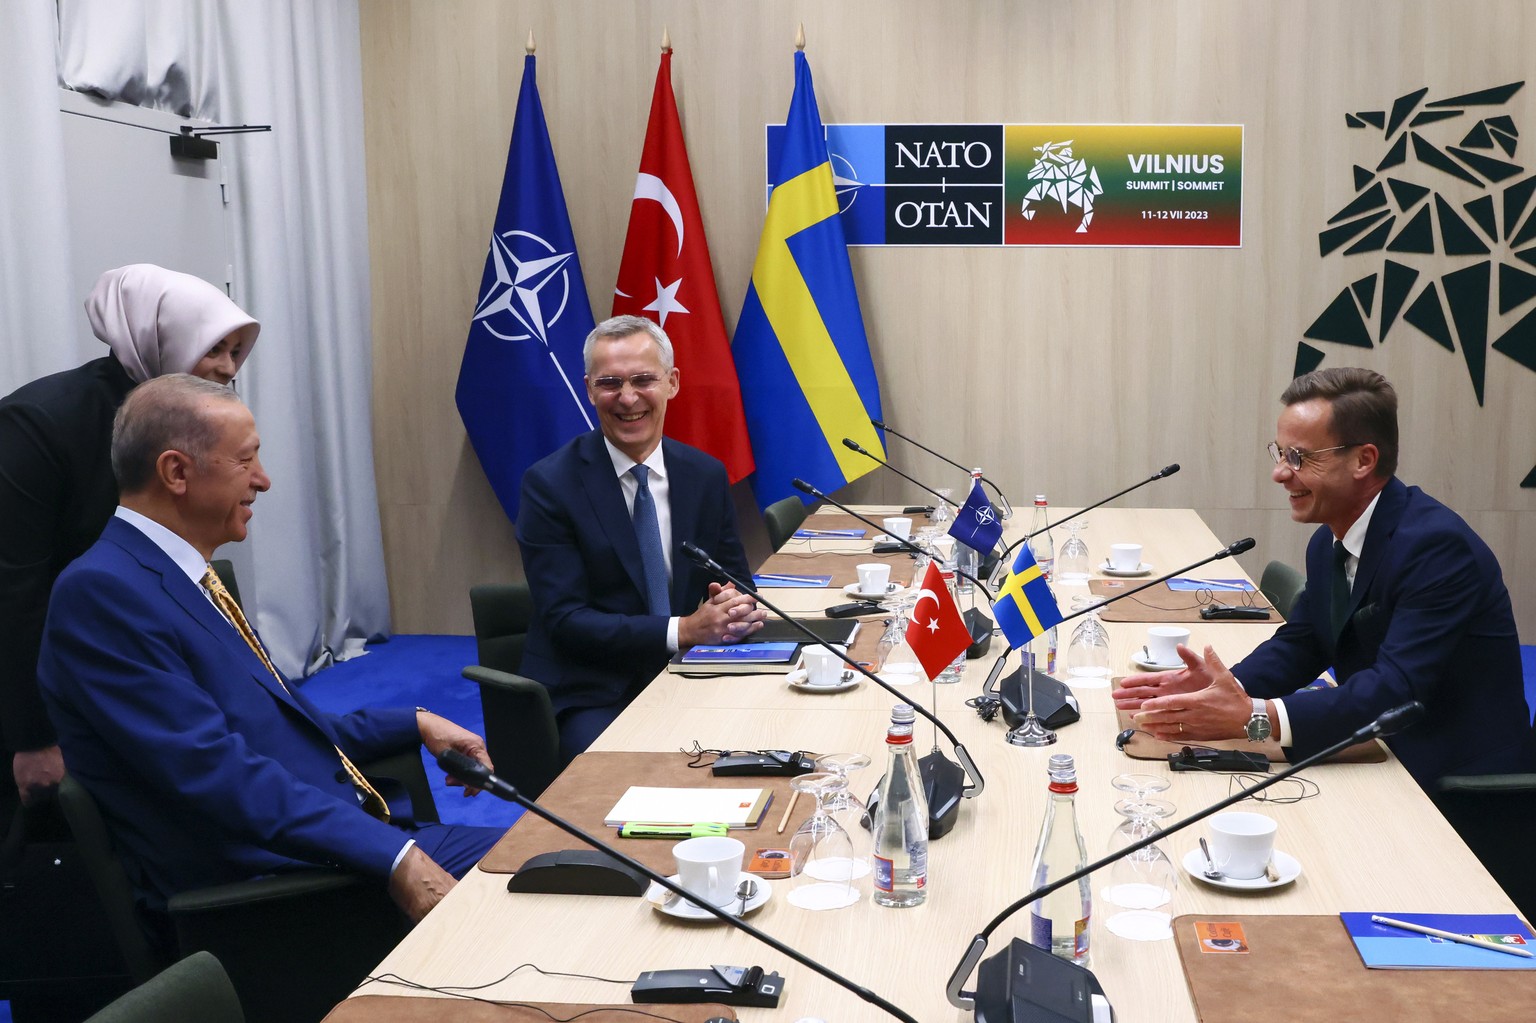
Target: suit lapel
<point>189,597</point>
<point>1378,538</point>
<point>685,520</point>
<point>606,497</point>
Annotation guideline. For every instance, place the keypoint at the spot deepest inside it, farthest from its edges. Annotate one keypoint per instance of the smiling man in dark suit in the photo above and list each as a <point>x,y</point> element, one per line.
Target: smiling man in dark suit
<point>1403,600</point>
<point>601,526</point>
<point>208,764</point>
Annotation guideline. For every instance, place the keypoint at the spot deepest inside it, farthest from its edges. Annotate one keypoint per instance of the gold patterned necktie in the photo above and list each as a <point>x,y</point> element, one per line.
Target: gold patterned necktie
<point>373,803</point>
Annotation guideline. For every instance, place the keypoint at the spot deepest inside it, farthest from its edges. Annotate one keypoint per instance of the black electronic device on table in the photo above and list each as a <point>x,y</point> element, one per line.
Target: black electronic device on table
<point>777,762</point>
<point>854,609</point>
<point>1225,613</point>
<point>728,985</point>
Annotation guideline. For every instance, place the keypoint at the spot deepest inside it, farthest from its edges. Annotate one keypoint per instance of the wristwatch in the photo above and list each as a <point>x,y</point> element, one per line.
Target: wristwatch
<point>1258,725</point>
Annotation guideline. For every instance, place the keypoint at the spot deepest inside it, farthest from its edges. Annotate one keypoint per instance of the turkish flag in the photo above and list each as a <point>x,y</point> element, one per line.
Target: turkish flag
<point>665,275</point>
<point>936,633</point>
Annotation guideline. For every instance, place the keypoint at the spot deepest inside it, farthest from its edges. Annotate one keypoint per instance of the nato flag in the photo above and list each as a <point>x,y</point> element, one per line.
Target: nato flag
<point>520,389</point>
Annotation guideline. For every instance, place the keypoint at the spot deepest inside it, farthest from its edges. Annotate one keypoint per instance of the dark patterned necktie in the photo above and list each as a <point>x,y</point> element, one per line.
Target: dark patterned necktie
<point>648,532</point>
<point>225,602</point>
<point>1340,587</point>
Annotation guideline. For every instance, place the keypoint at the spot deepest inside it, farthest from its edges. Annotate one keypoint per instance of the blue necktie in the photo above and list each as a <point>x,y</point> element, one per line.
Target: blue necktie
<point>648,532</point>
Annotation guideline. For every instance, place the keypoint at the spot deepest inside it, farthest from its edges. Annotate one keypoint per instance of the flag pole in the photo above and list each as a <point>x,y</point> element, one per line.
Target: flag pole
<point>529,47</point>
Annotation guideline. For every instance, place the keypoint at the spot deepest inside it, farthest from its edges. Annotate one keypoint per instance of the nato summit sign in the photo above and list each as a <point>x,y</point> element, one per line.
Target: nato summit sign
<point>1035,184</point>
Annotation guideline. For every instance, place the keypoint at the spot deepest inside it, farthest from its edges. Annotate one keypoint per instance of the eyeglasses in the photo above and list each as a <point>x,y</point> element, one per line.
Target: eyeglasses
<point>1294,457</point>
<point>613,385</point>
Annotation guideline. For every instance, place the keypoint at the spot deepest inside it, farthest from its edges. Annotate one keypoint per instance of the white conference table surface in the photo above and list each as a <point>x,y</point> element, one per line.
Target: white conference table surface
<point>1369,841</point>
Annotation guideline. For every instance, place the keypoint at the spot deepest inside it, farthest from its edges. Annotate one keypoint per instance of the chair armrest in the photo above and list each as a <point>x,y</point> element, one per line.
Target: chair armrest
<point>272,888</point>
<point>406,770</point>
<point>505,680</point>
<point>1475,783</point>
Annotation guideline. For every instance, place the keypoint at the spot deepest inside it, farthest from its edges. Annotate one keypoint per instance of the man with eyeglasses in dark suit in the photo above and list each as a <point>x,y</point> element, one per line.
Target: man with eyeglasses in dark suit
<point>1403,600</point>
<point>601,525</point>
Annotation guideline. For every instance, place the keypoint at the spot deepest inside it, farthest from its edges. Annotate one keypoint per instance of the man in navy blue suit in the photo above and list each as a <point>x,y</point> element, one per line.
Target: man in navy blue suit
<point>601,525</point>
<point>1403,600</point>
<point>208,765</point>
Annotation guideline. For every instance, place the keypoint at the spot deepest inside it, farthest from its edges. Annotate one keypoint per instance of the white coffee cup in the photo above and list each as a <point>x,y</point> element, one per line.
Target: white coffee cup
<point>822,666</point>
<point>1242,843</point>
<point>1125,557</point>
<point>874,577</point>
<point>898,526</point>
<point>1163,642</point>
<point>710,867</point>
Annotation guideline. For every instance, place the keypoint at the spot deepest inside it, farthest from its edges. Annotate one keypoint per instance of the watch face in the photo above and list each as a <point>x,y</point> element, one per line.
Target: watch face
<point>1258,728</point>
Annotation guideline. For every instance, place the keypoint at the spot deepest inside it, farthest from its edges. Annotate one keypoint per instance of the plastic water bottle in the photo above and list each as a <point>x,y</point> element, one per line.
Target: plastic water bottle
<point>901,825</point>
<point>1041,544</point>
<point>1059,922</point>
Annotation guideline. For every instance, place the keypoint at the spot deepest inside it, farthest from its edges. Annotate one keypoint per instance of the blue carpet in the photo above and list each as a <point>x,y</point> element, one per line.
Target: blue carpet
<point>417,671</point>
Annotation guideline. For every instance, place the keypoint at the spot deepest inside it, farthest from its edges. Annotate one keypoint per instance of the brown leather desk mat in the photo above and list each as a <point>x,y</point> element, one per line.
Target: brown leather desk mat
<point>1307,968</point>
<point>1160,604</point>
<point>587,790</point>
<point>1144,747</point>
<point>391,1009</point>
<point>842,566</point>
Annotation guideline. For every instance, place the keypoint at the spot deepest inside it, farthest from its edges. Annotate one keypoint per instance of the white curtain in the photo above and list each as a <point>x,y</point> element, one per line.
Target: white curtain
<point>313,568</point>
<point>301,243</point>
<point>39,318</point>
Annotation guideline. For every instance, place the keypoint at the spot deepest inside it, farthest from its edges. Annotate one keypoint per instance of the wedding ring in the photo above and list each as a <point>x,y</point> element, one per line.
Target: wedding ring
<point>1181,728</point>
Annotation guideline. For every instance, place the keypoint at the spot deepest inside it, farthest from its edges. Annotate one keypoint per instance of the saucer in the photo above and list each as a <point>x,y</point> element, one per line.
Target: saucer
<point>853,590</point>
<point>1286,865</point>
<point>685,910</point>
<point>1145,568</point>
<point>1146,665</point>
<point>850,680</point>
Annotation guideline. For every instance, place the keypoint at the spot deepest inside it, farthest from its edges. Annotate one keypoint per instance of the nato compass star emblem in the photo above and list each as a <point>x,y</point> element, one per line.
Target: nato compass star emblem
<point>984,515</point>
<point>845,181</point>
<point>529,294</point>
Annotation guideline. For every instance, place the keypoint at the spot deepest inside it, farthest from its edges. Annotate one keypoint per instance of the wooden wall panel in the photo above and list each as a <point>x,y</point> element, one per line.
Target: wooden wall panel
<point>1074,372</point>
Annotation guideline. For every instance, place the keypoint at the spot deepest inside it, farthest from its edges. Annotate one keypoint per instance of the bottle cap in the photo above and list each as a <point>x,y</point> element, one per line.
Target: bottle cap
<point>1040,499</point>
<point>1062,769</point>
<point>903,714</point>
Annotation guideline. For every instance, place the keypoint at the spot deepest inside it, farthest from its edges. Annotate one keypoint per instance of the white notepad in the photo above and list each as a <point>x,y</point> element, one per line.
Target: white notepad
<point>735,808</point>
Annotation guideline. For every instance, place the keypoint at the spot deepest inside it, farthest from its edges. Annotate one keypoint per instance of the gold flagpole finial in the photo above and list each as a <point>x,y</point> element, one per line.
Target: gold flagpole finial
<point>800,38</point>
<point>666,40</point>
<point>530,47</point>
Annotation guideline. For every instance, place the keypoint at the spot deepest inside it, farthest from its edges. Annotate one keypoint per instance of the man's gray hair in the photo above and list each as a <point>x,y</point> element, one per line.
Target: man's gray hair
<point>163,414</point>
<point>622,327</point>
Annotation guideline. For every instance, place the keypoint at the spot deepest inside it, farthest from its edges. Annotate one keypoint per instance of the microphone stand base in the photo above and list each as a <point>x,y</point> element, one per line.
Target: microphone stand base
<point>1032,732</point>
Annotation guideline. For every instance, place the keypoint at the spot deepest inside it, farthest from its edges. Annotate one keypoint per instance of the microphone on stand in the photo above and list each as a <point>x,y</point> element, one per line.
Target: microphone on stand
<point>1055,705</point>
<point>976,621</point>
<point>1006,509</point>
<point>1003,983</point>
<point>1003,561</point>
<point>943,779</point>
<point>853,445</point>
<point>476,774</point>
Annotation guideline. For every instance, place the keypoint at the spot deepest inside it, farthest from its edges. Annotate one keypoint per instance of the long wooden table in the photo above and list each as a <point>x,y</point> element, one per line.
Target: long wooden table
<point>1370,840</point>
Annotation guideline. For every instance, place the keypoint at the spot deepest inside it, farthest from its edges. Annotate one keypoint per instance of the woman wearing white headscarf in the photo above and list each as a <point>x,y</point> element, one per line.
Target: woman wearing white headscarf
<point>56,486</point>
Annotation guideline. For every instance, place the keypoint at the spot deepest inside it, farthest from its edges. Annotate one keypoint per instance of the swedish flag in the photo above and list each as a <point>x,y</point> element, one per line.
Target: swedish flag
<point>1025,606</point>
<point>807,380</point>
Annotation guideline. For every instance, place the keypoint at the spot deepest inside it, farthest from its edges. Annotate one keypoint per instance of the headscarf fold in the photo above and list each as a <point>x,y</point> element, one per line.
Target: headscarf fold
<point>158,321</point>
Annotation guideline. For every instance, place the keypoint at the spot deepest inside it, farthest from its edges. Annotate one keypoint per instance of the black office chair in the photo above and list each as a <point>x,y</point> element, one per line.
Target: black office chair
<point>1495,815</point>
<point>1281,585</point>
<point>294,944</point>
<point>782,519</point>
<point>196,988</point>
<point>520,732</point>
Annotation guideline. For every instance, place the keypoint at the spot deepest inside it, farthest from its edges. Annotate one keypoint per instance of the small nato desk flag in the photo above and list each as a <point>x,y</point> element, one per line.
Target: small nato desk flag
<point>977,524</point>
<point>807,380</point>
<point>1025,607</point>
<point>521,392</point>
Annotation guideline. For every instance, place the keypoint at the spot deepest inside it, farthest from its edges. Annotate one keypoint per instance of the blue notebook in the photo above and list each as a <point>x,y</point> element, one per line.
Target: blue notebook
<point>1383,947</point>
